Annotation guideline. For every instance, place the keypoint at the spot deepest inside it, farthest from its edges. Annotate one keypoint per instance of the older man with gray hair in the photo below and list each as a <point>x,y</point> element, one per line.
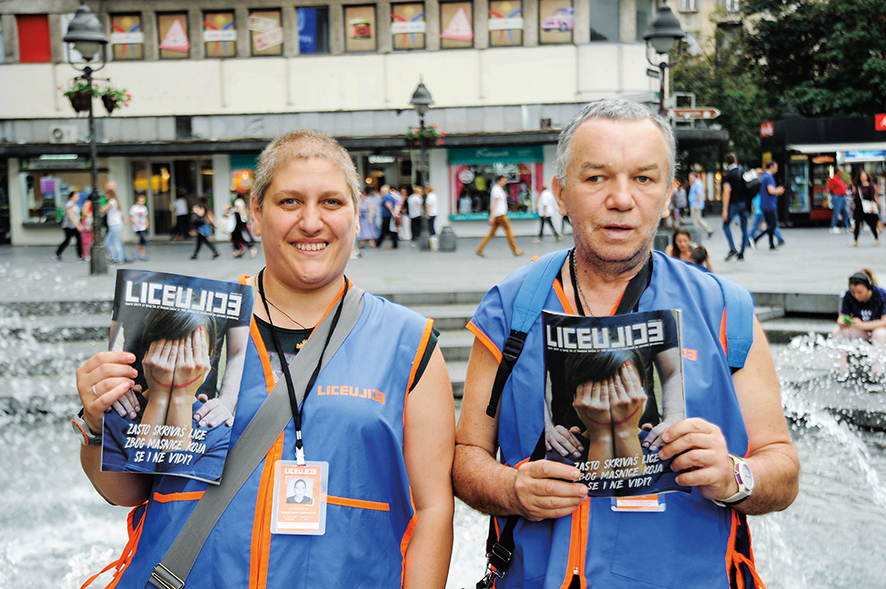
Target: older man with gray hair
<point>732,451</point>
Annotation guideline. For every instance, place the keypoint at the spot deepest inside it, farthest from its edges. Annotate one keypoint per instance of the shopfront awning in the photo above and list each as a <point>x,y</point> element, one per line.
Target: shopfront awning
<point>835,147</point>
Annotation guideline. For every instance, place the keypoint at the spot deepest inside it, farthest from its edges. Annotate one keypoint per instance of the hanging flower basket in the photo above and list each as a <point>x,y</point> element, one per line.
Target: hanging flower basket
<point>110,102</point>
<point>114,98</point>
<point>81,101</point>
<point>429,136</point>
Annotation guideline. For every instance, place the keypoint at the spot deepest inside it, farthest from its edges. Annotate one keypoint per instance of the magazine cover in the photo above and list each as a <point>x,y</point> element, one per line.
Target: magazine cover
<point>189,338</point>
<point>614,384</point>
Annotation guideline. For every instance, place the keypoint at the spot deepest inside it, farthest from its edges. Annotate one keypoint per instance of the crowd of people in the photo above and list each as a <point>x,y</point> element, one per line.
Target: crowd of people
<point>395,457</point>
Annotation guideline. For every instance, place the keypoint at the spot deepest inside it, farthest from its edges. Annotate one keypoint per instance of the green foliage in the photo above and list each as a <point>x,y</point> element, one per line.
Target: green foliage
<point>724,79</point>
<point>820,57</point>
<point>80,86</point>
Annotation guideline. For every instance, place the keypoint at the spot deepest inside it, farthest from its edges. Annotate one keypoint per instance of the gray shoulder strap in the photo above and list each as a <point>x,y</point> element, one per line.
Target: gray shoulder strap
<point>252,446</point>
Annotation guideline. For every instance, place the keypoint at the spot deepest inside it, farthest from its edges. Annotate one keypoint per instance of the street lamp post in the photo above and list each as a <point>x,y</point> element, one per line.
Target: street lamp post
<point>422,101</point>
<point>660,36</point>
<point>86,34</point>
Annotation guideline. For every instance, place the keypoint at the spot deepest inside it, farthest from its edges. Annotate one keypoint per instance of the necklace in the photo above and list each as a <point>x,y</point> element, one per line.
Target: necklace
<point>577,284</point>
<point>285,314</point>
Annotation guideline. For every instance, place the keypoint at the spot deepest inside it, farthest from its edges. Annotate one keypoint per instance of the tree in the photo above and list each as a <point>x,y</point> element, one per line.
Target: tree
<point>724,79</point>
<point>819,57</point>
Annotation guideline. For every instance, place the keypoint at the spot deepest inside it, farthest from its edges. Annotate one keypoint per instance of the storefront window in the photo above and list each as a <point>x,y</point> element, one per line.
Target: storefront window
<point>127,36</point>
<point>47,181</point>
<point>173,34</point>
<point>266,32</point>
<point>505,23</point>
<point>313,30</point>
<point>555,21</point>
<point>359,28</point>
<point>219,34</point>
<point>408,26</point>
<point>456,18</point>
<point>605,21</point>
<point>474,172</point>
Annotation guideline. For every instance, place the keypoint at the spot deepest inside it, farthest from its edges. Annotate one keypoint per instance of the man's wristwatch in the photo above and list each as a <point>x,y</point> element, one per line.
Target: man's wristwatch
<point>85,435</point>
<point>745,479</point>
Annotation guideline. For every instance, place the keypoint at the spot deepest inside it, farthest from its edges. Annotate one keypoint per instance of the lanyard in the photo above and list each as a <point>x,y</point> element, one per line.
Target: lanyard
<point>631,297</point>
<point>293,401</point>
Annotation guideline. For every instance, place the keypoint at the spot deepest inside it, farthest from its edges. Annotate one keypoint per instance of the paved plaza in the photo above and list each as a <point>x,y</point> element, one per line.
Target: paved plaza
<point>812,261</point>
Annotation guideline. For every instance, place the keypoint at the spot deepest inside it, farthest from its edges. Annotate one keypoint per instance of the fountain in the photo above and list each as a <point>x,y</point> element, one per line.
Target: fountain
<point>56,531</point>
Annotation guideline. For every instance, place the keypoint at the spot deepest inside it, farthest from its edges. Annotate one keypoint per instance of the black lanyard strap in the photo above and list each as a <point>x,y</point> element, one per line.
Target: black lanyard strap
<point>290,387</point>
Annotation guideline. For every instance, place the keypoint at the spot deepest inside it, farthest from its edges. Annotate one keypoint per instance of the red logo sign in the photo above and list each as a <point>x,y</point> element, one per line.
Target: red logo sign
<point>880,122</point>
<point>767,129</point>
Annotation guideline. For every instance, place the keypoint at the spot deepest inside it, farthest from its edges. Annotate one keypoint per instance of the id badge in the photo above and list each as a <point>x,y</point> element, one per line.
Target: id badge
<point>639,504</point>
<point>300,498</point>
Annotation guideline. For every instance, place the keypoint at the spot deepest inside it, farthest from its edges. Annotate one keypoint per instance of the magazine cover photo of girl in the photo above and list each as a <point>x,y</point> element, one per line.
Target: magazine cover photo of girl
<point>614,384</point>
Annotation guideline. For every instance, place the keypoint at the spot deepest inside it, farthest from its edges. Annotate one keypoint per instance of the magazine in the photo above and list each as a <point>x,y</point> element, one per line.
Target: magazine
<point>613,385</point>
<point>189,339</point>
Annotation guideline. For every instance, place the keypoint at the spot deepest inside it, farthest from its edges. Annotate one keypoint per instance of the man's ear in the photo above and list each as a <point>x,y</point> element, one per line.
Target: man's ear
<point>558,190</point>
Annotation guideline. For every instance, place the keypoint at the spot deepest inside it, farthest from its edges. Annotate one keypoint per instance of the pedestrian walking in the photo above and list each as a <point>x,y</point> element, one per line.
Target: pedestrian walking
<point>71,226</point>
<point>138,216</point>
<point>431,208</point>
<point>114,216</point>
<point>241,238</point>
<point>498,217</point>
<point>867,206</point>
<point>545,207</point>
<point>839,214</point>
<point>203,221</point>
<point>736,202</point>
<point>390,215</point>
<point>415,209</point>
<point>696,202</point>
<point>769,194</point>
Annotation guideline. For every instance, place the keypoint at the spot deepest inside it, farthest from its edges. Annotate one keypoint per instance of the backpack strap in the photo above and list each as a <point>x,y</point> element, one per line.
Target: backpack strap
<point>739,308</point>
<point>527,307</point>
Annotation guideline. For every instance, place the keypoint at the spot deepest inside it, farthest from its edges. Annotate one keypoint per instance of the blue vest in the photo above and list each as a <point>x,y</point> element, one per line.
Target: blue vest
<point>360,436</point>
<point>687,544</point>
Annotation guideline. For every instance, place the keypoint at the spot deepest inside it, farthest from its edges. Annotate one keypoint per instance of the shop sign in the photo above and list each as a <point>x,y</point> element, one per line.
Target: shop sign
<point>880,122</point>
<point>767,129</point>
<point>491,155</point>
<point>61,161</point>
<point>382,159</point>
<point>865,155</point>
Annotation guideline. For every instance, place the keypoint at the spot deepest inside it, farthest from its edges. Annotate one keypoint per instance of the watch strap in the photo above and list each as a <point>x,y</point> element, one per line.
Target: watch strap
<point>743,490</point>
<point>87,437</point>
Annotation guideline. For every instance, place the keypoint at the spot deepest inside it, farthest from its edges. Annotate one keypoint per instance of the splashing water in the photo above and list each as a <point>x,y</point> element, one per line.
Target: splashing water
<point>56,531</point>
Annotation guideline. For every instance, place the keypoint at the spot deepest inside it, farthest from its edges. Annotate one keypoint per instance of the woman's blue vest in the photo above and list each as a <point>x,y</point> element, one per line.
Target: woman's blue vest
<point>693,542</point>
<point>359,435</point>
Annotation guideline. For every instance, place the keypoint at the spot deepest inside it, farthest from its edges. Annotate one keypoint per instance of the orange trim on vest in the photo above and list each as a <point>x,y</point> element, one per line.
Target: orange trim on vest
<point>493,349</point>
<point>561,294</point>
<point>578,543</point>
<point>358,503</point>
<point>735,559</point>
<point>723,340</point>
<point>260,551</point>
<point>170,497</point>
<point>422,346</point>
<point>125,557</point>
<point>419,354</point>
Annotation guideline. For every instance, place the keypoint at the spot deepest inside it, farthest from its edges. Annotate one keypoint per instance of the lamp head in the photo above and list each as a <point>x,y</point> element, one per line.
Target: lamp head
<point>664,30</point>
<point>86,33</point>
<point>421,99</point>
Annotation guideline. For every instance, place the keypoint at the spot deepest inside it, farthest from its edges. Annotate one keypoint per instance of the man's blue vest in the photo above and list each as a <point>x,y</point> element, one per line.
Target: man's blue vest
<point>352,419</point>
<point>693,542</point>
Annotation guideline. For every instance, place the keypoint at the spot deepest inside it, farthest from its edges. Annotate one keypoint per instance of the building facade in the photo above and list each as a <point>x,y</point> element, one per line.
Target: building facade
<point>213,81</point>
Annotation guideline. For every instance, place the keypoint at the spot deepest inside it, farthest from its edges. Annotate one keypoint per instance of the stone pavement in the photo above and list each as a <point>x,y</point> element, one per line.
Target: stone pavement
<point>813,262</point>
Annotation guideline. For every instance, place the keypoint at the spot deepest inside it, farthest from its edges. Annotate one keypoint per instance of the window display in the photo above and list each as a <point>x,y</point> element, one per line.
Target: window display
<point>127,36</point>
<point>220,34</point>
<point>408,26</point>
<point>265,32</point>
<point>173,33</point>
<point>473,171</point>
<point>505,23</point>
